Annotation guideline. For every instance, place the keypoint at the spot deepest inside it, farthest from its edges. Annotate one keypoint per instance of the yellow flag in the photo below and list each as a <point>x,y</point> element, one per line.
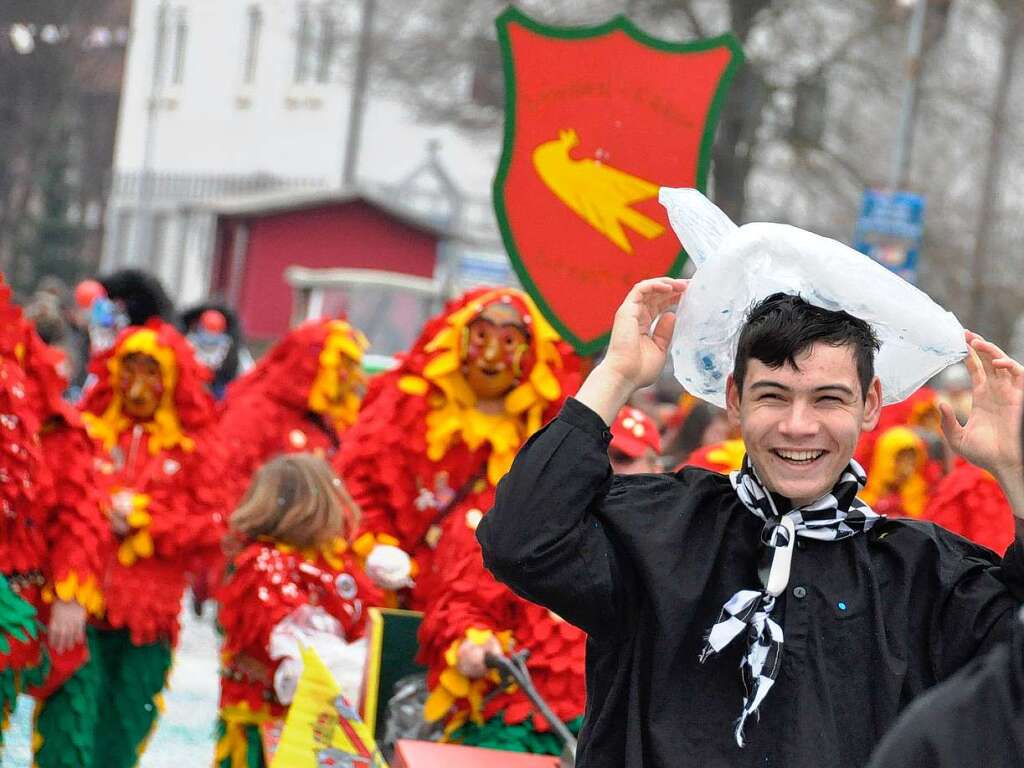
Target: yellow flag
<point>322,728</point>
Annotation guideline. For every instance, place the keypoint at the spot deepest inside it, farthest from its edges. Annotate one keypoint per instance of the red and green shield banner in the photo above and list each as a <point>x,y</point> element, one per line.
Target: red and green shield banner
<point>596,120</point>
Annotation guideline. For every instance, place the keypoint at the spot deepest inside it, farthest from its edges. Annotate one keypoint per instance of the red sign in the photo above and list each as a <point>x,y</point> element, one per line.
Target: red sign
<point>596,120</point>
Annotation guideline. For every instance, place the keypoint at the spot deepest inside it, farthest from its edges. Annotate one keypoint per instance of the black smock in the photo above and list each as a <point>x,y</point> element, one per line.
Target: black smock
<point>976,718</point>
<point>644,563</point>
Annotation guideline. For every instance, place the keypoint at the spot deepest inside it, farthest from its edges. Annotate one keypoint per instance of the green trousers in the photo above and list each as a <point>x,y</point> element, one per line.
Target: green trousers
<point>17,623</point>
<point>103,715</point>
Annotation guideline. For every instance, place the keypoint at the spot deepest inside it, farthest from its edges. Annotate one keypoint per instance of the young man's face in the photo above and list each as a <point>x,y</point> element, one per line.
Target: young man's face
<point>801,427</point>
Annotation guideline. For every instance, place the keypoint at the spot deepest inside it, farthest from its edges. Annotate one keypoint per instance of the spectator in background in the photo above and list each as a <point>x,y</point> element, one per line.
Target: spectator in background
<point>290,585</point>
<point>968,501</point>
<point>138,295</point>
<point>216,335</point>
<point>954,387</point>
<point>45,312</point>
<point>896,483</point>
<point>635,443</point>
<point>53,314</point>
<point>703,424</point>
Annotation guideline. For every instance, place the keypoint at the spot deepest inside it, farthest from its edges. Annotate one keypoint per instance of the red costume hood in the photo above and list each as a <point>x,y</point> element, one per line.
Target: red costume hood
<point>415,360</point>
<point>287,371</point>
<point>45,376</point>
<point>193,405</point>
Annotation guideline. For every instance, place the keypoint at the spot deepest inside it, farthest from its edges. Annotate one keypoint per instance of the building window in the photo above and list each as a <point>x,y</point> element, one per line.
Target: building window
<point>124,236</point>
<point>160,51</point>
<point>252,45</point>
<point>327,45</point>
<point>317,37</point>
<point>303,44</point>
<point>180,43</point>
<point>162,259</point>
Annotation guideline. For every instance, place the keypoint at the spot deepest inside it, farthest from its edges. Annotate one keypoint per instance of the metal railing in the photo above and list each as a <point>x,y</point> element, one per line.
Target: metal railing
<point>188,187</point>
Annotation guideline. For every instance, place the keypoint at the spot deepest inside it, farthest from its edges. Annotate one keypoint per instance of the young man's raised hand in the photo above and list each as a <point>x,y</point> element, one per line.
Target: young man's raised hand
<point>989,438</point>
<point>637,348</point>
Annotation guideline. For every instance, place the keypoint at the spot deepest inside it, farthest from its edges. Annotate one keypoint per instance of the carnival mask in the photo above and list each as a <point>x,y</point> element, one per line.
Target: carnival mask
<point>141,386</point>
<point>211,348</point>
<point>348,378</point>
<point>906,465</point>
<point>339,385</point>
<point>494,345</point>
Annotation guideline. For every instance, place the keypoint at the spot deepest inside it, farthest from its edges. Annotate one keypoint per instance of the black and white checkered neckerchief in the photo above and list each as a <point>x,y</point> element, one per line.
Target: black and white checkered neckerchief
<point>837,515</point>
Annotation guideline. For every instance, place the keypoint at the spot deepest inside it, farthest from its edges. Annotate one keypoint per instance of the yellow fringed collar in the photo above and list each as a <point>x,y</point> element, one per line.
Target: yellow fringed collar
<point>454,415</point>
<point>164,429</point>
<point>913,491</point>
<point>344,345</point>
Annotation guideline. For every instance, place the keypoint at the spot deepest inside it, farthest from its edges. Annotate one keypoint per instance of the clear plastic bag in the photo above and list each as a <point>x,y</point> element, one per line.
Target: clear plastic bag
<point>739,266</point>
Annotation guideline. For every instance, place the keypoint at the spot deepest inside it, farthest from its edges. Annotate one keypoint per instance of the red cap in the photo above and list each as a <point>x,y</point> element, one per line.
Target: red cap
<point>213,321</point>
<point>634,432</point>
<point>87,291</point>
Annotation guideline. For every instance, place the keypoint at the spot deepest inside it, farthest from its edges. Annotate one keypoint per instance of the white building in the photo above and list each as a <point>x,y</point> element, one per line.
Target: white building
<point>226,97</point>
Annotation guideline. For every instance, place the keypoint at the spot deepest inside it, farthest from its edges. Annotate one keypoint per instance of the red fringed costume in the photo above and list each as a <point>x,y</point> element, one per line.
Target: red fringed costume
<point>69,519</point>
<point>267,582</point>
<point>920,410</point>
<point>723,457</point>
<point>172,468</point>
<point>165,478</point>
<point>451,456</point>
<point>474,606</point>
<point>896,477</point>
<point>969,501</point>
<point>76,540</point>
<point>301,396</point>
<point>420,445</point>
<point>23,486</point>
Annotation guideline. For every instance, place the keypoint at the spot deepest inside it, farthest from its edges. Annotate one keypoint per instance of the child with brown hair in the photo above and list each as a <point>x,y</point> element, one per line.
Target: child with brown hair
<point>290,583</point>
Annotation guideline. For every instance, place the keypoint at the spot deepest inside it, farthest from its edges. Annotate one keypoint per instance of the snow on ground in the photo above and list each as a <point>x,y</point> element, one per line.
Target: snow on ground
<point>184,735</point>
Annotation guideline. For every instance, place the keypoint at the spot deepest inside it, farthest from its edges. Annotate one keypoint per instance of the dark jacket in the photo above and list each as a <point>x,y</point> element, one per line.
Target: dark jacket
<point>644,563</point>
<point>976,718</point>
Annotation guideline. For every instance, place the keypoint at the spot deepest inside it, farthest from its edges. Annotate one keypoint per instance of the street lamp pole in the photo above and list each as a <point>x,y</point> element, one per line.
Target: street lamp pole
<point>144,192</point>
<point>905,136</point>
<point>357,105</point>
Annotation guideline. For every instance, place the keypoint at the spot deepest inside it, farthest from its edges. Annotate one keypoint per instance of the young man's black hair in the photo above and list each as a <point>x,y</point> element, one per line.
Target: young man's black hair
<point>782,327</point>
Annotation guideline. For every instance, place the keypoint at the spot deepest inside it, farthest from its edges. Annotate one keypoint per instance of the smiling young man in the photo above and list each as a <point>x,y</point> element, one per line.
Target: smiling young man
<point>802,391</point>
<point>767,618</point>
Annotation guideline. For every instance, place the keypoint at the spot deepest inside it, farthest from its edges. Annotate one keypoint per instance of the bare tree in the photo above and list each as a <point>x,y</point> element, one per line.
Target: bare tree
<point>810,118</point>
<point>60,98</point>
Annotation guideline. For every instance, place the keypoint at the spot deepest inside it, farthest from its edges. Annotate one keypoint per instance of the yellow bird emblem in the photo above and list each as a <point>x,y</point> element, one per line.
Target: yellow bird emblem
<point>597,193</point>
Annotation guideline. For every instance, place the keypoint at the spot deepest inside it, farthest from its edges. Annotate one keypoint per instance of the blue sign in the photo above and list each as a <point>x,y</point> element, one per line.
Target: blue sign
<point>477,268</point>
<point>890,229</point>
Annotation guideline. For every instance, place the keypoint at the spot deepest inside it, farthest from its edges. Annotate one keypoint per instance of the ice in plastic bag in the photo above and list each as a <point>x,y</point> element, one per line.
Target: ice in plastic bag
<point>739,266</point>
